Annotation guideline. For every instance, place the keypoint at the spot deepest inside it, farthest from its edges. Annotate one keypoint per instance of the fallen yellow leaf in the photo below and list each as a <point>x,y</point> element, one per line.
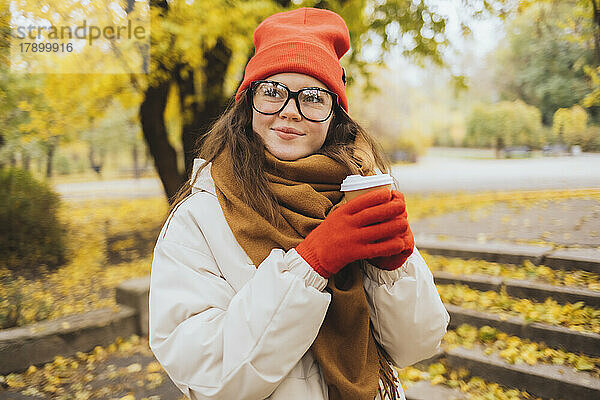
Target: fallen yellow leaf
<point>134,368</point>
<point>153,367</point>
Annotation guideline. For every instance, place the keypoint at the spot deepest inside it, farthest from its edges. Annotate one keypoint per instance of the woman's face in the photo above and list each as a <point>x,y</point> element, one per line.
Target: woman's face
<point>311,135</point>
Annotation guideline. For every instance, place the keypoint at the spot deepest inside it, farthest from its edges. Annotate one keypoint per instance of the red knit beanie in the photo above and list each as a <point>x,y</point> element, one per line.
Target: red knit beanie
<point>306,40</point>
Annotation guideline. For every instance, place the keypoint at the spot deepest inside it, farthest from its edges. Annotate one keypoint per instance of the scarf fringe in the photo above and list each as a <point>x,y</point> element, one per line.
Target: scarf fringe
<point>389,380</point>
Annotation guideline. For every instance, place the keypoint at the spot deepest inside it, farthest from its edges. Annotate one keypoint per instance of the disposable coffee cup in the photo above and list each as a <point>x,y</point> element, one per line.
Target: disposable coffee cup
<point>355,185</point>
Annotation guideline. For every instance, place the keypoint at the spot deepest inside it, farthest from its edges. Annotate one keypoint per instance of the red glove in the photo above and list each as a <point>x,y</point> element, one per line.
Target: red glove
<point>406,239</point>
<point>365,227</point>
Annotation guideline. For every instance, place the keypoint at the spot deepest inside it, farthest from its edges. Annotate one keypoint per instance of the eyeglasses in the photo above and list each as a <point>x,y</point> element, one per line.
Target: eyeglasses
<point>314,103</point>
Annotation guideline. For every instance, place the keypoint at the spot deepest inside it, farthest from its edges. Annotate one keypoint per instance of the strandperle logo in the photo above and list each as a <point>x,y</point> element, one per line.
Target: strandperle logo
<point>103,36</point>
<point>83,31</point>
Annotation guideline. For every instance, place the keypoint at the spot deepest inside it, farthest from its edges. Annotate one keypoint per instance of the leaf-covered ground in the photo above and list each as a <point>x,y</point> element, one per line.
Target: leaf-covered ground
<point>124,370</point>
<point>424,206</point>
<point>97,231</point>
<point>461,379</point>
<point>576,316</point>
<point>561,219</point>
<point>526,271</point>
<point>514,350</point>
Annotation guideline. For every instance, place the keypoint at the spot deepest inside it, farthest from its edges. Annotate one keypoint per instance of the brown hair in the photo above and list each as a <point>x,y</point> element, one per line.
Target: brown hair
<point>346,141</point>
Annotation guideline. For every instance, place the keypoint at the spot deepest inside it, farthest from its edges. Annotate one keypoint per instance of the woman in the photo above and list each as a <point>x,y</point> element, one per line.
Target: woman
<point>265,284</point>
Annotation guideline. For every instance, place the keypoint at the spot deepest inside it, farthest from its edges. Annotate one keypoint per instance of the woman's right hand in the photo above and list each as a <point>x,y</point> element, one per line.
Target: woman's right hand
<point>365,227</point>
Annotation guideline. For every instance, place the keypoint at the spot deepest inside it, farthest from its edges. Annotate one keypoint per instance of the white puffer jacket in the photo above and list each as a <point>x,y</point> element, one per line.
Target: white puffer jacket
<point>224,329</point>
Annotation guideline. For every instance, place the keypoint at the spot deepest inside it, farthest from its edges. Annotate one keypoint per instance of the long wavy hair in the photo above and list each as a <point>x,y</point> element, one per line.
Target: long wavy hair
<point>346,141</point>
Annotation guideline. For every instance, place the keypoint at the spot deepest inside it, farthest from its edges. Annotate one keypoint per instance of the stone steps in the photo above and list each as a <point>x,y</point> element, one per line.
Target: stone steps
<point>423,390</point>
<point>521,288</point>
<point>544,380</point>
<point>554,336</point>
<point>547,381</point>
<point>39,343</point>
<point>513,253</point>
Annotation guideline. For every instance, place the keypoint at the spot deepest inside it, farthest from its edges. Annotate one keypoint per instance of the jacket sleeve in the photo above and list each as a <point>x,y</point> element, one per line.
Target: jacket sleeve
<point>408,316</point>
<point>216,343</point>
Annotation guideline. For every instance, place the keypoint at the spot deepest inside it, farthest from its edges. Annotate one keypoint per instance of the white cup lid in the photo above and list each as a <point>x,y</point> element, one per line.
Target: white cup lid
<point>358,182</point>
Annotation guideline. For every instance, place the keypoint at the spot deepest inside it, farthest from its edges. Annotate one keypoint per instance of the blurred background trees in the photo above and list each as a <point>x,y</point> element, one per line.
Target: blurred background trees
<point>547,63</point>
<point>31,233</point>
<point>504,124</point>
<point>209,43</point>
<point>543,57</point>
<point>570,125</point>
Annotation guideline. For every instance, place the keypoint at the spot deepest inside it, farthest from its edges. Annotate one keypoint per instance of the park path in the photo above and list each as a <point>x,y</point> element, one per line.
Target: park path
<point>439,173</point>
<point>111,189</point>
<point>435,172</point>
<point>570,222</point>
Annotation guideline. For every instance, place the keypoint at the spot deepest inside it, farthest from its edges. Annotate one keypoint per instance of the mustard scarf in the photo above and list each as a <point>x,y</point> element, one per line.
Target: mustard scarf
<point>307,189</point>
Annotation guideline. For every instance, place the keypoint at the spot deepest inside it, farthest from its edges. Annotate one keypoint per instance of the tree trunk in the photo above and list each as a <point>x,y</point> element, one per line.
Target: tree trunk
<point>136,166</point>
<point>50,148</point>
<point>155,133</point>
<point>153,106</point>
<point>153,125</point>
<point>147,157</point>
<point>96,161</point>
<point>499,146</point>
<point>217,61</point>
<point>26,160</point>
<point>596,9</point>
<point>191,124</point>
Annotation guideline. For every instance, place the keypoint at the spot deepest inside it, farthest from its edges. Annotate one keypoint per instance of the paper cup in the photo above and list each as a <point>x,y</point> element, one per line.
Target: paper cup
<point>355,185</point>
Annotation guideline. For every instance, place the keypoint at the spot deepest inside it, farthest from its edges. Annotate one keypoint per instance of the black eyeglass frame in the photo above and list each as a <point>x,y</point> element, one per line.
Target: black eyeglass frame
<point>292,95</point>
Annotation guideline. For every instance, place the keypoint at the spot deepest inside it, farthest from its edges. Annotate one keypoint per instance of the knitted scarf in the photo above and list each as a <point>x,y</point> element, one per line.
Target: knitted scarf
<point>307,189</point>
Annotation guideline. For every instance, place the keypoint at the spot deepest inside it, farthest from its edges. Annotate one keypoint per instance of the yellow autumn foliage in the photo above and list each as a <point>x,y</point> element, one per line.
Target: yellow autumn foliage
<point>66,377</point>
<point>517,350</point>
<point>525,271</point>
<point>423,206</point>
<point>86,282</point>
<point>576,316</point>
<point>474,387</point>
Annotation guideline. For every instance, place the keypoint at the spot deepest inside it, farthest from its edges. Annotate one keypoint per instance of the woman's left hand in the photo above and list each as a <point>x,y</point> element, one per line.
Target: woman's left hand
<point>395,261</point>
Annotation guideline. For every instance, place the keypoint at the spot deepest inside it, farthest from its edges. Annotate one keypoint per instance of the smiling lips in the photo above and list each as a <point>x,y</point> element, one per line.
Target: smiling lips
<point>289,131</point>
